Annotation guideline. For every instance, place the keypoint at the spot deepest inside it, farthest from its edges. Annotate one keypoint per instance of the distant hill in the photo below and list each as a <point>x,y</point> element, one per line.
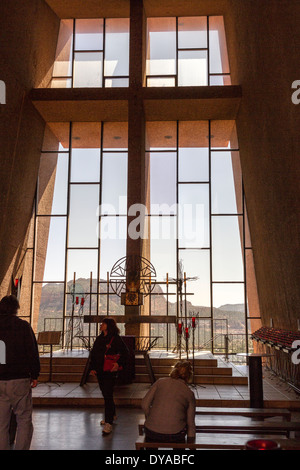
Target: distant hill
<point>52,304</point>
<point>233,307</point>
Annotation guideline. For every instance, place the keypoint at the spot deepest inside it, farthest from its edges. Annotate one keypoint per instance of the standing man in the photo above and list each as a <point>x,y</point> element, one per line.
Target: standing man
<point>19,371</point>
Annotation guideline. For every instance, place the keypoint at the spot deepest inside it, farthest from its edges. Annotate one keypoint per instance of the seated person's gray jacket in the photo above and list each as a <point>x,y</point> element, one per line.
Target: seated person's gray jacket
<point>169,407</point>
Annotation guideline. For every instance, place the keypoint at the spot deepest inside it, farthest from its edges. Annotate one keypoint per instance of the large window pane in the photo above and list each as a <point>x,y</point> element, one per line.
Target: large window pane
<point>161,47</point>
<point>217,46</point>
<point>113,232</point>
<point>193,217</point>
<point>220,80</point>
<point>116,82</point>
<point>226,180</point>
<point>50,249</point>
<point>61,83</point>
<point>48,303</point>
<point>114,182</point>
<point>88,69</point>
<point>83,219</point>
<point>116,47</point>
<point>196,265</point>
<point>192,32</point>
<point>83,263</point>
<point>89,35</point>
<point>227,248</point>
<point>229,303</point>
<point>192,68</point>
<point>160,82</point>
<point>63,59</point>
<point>193,151</point>
<point>85,165</point>
<point>193,164</point>
<point>53,184</point>
<point>162,182</point>
<point>163,246</point>
<point>85,162</point>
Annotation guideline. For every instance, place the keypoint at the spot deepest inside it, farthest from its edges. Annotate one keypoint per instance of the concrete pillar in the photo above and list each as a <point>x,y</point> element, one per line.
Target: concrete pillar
<point>136,136</point>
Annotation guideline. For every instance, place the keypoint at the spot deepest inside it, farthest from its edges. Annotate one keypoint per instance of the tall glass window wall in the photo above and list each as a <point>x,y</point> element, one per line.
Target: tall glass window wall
<point>80,220</point>
<point>92,53</point>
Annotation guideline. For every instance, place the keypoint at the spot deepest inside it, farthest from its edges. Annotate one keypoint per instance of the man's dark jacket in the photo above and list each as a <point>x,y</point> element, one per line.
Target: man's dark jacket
<point>22,356</point>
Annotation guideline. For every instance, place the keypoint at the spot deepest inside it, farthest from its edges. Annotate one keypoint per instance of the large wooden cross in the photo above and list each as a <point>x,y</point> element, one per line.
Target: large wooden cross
<point>169,319</point>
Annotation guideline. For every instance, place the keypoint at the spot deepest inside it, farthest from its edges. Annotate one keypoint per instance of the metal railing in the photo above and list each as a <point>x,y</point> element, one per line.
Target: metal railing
<point>221,343</point>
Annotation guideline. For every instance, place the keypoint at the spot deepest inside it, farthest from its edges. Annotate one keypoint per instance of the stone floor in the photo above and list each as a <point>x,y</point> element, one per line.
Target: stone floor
<point>79,429</point>
<point>276,393</point>
<point>66,416</point>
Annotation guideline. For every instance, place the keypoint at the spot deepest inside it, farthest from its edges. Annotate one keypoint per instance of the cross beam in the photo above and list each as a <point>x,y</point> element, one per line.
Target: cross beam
<point>169,319</point>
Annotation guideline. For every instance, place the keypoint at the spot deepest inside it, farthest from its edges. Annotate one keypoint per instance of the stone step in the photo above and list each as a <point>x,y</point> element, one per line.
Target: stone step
<point>63,368</point>
<point>203,379</point>
<point>139,360</point>
<point>165,370</point>
<point>140,369</point>
<point>144,378</point>
<point>64,360</point>
<point>64,377</point>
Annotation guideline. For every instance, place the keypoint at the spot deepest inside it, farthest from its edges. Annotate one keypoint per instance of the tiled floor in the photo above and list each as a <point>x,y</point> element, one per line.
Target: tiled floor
<point>276,393</point>
<point>76,424</point>
<point>79,429</point>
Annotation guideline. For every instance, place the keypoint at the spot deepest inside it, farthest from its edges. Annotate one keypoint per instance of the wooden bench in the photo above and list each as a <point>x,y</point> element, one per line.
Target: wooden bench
<point>244,412</point>
<point>232,442</point>
<point>247,412</point>
<point>242,425</point>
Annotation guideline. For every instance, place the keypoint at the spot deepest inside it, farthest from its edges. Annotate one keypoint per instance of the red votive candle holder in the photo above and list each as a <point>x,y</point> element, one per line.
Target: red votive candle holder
<point>180,328</point>
<point>82,301</point>
<point>193,322</point>
<point>77,300</point>
<point>262,444</point>
<point>186,333</point>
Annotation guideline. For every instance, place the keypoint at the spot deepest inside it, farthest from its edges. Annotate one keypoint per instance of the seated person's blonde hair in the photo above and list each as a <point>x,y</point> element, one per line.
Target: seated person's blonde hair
<point>182,370</point>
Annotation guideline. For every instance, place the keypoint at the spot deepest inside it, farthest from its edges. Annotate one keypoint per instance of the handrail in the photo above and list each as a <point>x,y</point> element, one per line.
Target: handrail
<point>213,338</point>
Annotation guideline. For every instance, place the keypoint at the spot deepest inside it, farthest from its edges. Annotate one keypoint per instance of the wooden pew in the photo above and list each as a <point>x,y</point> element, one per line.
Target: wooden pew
<point>244,412</point>
<point>219,442</point>
<point>243,425</point>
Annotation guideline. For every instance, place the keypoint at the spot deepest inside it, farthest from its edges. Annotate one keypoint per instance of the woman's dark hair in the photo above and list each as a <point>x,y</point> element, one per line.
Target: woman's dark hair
<point>112,328</point>
<point>9,305</point>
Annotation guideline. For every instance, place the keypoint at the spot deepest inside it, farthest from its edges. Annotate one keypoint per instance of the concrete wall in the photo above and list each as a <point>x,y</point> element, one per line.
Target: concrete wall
<point>264,45</point>
<point>28,36</point>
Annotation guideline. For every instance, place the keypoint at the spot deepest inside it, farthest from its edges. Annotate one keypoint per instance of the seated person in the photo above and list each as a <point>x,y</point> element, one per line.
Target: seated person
<point>169,407</point>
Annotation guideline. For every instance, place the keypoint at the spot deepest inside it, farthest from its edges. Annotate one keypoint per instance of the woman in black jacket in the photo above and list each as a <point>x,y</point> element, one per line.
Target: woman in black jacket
<point>108,343</point>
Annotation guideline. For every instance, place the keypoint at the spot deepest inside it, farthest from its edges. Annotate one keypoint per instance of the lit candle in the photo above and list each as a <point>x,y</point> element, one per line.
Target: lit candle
<point>193,322</point>
<point>82,301</point>
<point>77,300</point>
<point>186,333</point>
<point>180,328</point>
<point>262,444</point>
